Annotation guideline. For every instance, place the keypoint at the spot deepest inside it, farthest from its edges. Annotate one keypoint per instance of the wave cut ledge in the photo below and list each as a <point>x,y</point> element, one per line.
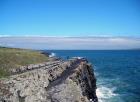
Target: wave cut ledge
<point>54,81</point>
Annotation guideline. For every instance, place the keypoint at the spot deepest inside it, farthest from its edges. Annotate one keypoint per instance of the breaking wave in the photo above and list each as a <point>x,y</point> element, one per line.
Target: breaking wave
<point>104,94</point>
<point>52,54</point>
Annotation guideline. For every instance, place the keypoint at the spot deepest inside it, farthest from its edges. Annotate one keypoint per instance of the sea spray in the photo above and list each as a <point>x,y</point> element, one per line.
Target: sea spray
<point>105,93</point>
<point>52,54</point>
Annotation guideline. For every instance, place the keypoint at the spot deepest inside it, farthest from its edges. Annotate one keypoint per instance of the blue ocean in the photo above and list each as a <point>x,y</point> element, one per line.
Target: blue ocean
<point>117,72</point>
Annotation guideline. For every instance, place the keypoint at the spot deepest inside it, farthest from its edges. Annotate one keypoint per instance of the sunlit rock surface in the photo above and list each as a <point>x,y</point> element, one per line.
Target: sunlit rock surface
<point>54,81</point>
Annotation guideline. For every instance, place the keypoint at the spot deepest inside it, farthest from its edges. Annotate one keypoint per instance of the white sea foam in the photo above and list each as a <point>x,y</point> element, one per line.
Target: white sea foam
<point>105,93</point>
<point>52,55</point>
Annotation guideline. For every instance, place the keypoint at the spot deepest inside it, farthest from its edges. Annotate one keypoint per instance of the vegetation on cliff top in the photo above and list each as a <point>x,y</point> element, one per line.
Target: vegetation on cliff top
<point>15,57</point>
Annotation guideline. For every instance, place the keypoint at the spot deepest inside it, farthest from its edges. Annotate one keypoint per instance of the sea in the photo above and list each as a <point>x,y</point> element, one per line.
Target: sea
<point>117,72</point>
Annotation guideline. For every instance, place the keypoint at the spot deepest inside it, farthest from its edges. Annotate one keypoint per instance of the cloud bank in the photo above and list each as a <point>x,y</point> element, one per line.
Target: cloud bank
<point>69,43</point>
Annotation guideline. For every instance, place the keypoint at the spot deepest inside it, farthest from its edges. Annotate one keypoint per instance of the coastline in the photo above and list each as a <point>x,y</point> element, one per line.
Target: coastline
<point>49,82</point>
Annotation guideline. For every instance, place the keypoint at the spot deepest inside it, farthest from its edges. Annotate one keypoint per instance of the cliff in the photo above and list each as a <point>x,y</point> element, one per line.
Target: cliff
<point>54,81</point>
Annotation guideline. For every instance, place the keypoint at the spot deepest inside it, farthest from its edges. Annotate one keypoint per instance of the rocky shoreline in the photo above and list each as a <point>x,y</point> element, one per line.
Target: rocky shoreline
<point>55,81</point>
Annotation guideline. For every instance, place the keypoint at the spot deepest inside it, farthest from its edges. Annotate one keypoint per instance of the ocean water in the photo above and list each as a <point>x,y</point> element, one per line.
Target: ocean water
<point>117,73</point>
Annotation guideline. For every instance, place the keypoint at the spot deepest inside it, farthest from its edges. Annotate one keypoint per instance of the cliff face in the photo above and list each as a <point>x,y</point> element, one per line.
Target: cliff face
<point>57,81</point>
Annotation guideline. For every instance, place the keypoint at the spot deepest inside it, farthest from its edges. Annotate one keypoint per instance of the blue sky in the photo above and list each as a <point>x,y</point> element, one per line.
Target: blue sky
<point>70,18</point>
<point>70,24</point>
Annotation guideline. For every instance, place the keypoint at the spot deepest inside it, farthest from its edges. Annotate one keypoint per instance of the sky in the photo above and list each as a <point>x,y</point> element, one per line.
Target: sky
<point>71,43</point>
<point>101,20</point>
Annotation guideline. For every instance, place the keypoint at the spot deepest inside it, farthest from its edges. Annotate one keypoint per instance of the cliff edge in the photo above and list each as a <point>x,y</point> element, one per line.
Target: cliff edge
<point>55,81</point>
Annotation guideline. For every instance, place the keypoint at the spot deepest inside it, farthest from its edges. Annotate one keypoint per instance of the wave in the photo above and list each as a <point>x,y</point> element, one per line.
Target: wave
<point>52,54</point>
<point>104,93</point>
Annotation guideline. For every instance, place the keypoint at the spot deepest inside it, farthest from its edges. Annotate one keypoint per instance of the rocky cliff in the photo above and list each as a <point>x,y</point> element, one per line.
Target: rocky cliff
<point>55,81</point>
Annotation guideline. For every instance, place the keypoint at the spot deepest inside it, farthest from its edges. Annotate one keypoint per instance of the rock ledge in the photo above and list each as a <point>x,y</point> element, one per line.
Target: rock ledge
<point>57,81</point>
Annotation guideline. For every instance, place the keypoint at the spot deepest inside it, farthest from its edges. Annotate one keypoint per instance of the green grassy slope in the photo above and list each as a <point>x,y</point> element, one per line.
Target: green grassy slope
<point>14,57</point>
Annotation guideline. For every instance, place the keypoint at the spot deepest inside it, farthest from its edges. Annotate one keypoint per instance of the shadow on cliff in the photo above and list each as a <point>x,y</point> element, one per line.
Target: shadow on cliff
<point>69,71</point>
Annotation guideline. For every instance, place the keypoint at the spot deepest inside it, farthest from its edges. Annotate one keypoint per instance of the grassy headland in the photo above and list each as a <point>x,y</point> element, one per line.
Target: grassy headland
<point>15,57</point>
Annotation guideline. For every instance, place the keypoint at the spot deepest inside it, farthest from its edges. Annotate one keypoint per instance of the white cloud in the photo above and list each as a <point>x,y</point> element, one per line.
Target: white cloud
<point>71,42</point>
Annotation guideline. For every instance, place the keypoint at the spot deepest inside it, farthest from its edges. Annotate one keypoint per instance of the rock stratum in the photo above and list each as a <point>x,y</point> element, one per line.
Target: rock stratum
<point>55,81</point>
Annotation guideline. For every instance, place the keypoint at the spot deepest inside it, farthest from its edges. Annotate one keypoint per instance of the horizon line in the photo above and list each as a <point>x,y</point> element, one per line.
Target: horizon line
<point>72,49</point>
<point>96,36</point>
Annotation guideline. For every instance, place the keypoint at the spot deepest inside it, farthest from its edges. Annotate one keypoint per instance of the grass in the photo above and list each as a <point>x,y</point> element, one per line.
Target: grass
<point>14,57</point>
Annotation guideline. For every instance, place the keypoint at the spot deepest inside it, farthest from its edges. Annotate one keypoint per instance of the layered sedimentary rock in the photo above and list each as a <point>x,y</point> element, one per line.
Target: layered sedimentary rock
<point>57,81</point>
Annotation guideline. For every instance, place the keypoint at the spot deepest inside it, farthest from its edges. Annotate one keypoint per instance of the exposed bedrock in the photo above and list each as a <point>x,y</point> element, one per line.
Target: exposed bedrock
<point>57,81</point>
